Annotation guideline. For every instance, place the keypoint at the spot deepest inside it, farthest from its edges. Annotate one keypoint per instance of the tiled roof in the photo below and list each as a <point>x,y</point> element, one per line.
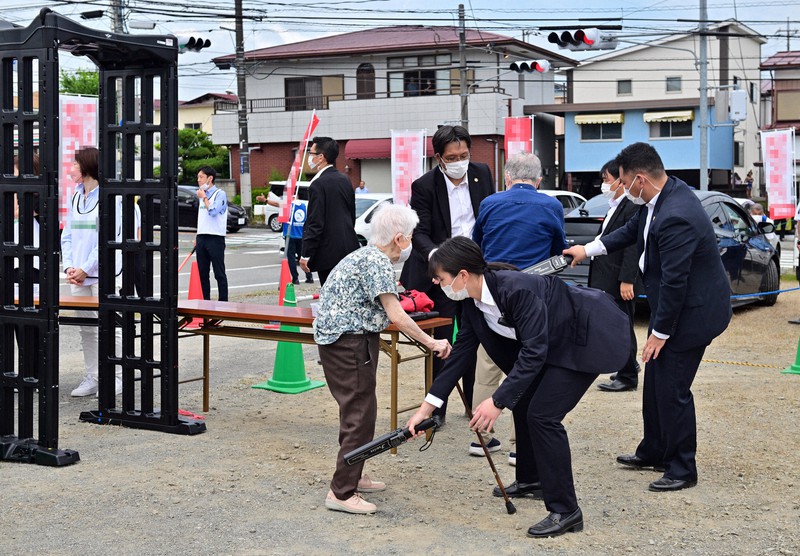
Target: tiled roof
<point>786,59</point>
<point>389,39</point>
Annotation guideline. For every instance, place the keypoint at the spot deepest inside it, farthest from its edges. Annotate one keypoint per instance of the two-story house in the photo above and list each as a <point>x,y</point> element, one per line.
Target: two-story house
<point>367,83</point>
<point>650,92</point>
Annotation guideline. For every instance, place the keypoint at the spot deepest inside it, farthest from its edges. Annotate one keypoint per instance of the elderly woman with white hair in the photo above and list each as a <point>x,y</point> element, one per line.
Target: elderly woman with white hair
<point>357,302</point>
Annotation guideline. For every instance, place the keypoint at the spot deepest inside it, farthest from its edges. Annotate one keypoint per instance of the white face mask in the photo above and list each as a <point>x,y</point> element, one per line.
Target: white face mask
<point>459,295</point>
<point>605,190</point>
<point>310,161</point>
<point>456,170</point>
<point>635,200</point>
<point>405,254</point>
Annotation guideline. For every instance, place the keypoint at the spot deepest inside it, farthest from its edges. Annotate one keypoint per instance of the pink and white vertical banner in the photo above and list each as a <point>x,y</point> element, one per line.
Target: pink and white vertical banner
<point>779,172</point>
<point>78,121</point>
<point>518,136</point>
<point>408,162</point>
<point>297,165</point>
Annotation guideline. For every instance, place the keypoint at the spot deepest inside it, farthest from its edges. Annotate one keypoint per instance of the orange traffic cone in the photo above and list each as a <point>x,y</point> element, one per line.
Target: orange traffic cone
<point>195,292</point>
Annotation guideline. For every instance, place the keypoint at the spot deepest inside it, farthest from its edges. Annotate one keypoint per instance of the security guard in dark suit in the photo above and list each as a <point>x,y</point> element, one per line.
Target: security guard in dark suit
<point>551,340</point>
<point>618,273</point>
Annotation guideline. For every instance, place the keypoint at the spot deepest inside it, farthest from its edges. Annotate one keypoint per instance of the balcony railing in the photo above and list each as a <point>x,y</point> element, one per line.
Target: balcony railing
<point>322,102</point>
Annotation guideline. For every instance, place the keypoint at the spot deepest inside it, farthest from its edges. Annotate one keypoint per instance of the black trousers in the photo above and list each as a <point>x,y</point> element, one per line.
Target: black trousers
<point>350,365</point>
<point>211,253</point>
<point>294,245</point>
<point>543,452</point>
<point>450,309</point>
<point>629,374</point>
<point>670,425</point>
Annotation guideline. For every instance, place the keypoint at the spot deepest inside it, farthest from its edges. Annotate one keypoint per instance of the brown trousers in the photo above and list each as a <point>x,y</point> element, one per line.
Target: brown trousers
<point>350,365</point>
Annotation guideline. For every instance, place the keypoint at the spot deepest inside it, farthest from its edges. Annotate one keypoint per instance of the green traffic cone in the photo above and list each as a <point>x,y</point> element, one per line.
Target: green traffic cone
<point>794,369</point>
<point>455,330</point>
<point>289,372</point>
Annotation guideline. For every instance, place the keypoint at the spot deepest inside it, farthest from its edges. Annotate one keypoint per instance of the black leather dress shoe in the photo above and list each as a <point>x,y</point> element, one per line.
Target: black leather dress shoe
<point>616,386</point>
<point>518,490</point>
<point>557,524</point>
<point>665,484</point>
<point>638,463</point>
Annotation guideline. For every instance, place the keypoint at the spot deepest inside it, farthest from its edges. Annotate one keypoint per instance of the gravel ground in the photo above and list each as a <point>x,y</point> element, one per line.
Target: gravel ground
<point>255,482</point>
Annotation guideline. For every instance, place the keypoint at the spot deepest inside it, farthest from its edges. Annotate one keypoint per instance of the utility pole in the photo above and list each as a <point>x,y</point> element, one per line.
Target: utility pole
<point>462,52</point>
<point>117,22</point>
<point>241,83</point>
<point>703,96</point>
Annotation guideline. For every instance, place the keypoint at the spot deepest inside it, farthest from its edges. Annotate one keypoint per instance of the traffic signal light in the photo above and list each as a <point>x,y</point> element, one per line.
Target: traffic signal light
<point>584,39</point>
<point>194,44</point>
<point>530,66</point>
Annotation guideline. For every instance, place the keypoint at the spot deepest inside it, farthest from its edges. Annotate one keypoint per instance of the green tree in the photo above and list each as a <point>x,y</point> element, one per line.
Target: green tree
<point>81,82</point>
<point>196,150</point>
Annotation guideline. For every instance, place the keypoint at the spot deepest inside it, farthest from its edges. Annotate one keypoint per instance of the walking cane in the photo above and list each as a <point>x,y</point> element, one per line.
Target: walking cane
<point>509,505</point>
<point>186,260</point>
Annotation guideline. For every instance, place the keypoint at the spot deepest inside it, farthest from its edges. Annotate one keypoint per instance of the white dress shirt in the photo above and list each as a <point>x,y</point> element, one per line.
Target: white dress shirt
<point>491,314</point>
<point>462,217</point>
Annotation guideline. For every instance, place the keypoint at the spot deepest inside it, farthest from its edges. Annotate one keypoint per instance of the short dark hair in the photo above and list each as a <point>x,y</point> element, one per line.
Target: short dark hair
<point>455,254</point>
<point>611,168</point>
<point>35,163</point>
<point>640,157</point>
<point>450,134</point>
<point>328,148</point>
<point>88,159</point>
<point>210,172</point>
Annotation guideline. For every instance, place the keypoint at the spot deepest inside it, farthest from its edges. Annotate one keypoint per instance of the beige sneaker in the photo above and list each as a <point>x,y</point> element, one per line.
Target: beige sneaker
<point>353,505</point>
<point>365,484</point>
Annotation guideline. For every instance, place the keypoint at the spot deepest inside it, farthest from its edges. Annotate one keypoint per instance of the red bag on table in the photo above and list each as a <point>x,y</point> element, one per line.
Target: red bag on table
<point>413,301</point>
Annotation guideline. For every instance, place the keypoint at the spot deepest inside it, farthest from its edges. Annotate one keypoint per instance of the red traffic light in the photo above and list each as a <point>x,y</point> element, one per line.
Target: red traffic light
<point>530,66</point>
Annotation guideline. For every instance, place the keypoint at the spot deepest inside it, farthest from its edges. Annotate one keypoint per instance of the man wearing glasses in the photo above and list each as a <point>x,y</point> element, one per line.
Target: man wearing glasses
<point>329,234</point>
<point>446,199</point>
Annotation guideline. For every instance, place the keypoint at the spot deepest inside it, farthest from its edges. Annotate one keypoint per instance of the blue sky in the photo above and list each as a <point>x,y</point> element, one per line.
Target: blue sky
<point>284,22</point>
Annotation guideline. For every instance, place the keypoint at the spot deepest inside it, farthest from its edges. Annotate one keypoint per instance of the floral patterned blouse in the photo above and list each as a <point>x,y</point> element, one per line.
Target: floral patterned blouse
<point>349,300</point>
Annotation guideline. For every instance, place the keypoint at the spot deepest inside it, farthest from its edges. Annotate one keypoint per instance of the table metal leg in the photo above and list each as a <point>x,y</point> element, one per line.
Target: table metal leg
<point>206,371</point>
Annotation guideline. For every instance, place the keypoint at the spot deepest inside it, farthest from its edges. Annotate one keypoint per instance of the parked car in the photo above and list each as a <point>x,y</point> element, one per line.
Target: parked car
<point>366,205</point>
<point>751,262</point>
<point>569,200</point>
<point>773,238</point>
<point>188,204</point>
<point>271,214</point>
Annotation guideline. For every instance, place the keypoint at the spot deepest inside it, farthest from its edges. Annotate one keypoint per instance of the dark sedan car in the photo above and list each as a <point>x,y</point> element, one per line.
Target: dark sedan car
<point>187,210</point>
<point>751,262</point>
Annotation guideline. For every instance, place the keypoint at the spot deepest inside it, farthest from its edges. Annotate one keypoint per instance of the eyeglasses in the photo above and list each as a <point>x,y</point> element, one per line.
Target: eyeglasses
<point>312,154</point>
<point>455,158</point>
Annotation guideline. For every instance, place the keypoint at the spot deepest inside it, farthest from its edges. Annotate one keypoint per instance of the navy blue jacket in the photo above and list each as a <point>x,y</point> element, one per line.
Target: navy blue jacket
<point>686,285</point>
<point>573,327</point>
<point>520,226</point>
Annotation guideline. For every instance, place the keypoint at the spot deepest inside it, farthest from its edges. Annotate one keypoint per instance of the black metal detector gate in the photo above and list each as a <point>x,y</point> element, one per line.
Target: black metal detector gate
<point>135,72</point>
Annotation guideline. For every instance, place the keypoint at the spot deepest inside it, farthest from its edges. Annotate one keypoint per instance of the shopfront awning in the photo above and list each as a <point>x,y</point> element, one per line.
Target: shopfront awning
<point>671,116</point>
<point>609,118</point>
<point>360,149</point>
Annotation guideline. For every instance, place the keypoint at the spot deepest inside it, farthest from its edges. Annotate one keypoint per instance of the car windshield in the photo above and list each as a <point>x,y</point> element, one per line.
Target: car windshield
<point>362,205</point>
<point>596,206</point>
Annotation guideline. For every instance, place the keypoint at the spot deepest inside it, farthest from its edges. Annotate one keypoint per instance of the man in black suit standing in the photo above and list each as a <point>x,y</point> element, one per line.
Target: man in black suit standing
<point>446,199</point>
<point>689,297</point>
<point>329,234</point>
<point>618,273</point>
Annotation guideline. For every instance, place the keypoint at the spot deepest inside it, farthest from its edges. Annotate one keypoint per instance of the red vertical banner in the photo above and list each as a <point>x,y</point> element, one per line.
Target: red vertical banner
<point>294,173</point>
<point>78,129</point>
<point>777,147</point>
<point>408,162</point>
<point>519,136</point>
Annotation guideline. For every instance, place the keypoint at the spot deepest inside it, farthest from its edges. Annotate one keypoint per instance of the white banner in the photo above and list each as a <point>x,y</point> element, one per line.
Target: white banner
<point>408,162</point>
<point>777,149</point>
<point>78,128</point>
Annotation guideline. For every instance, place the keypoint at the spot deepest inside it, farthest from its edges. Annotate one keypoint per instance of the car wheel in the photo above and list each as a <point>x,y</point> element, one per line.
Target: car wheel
<point>233,229</point>
<point>362,241</point>
<point>770,282</point>
<point>274,224</point>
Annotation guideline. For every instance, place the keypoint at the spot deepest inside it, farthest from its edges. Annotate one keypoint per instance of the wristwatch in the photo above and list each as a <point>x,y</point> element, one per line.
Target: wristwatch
<point>497,404</point>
